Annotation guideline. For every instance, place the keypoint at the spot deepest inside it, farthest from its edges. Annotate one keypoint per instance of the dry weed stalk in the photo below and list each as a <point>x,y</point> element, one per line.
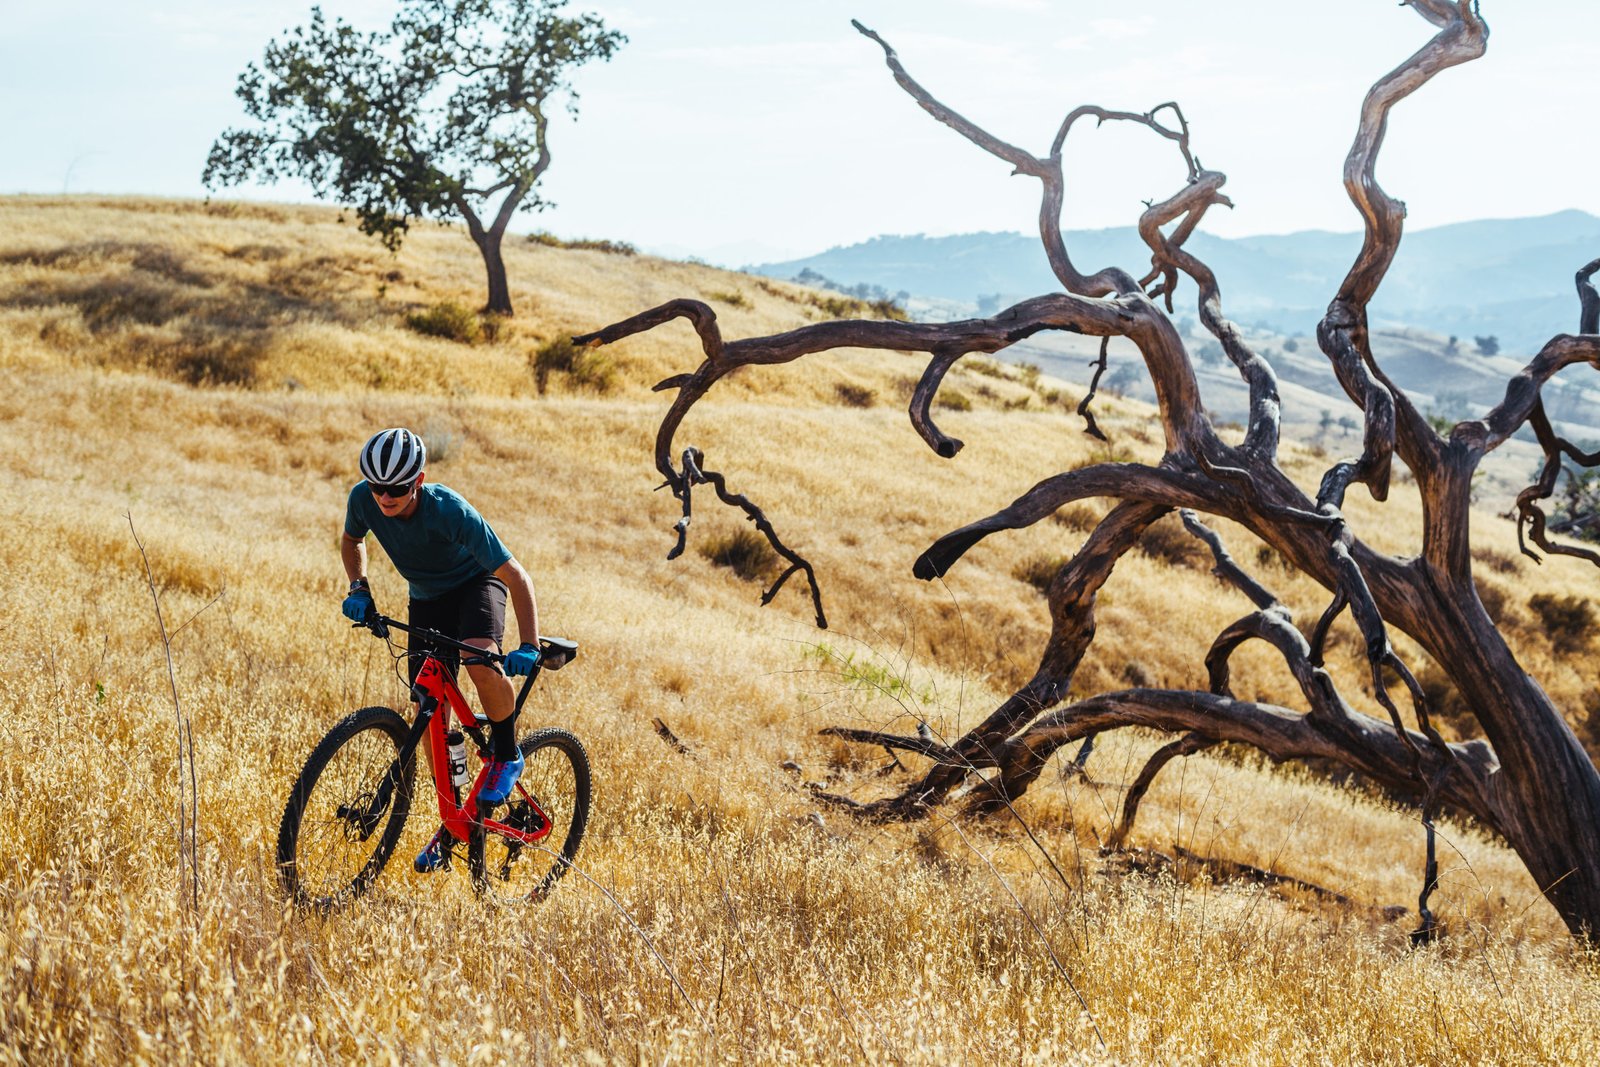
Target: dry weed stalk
<point>188,809</point>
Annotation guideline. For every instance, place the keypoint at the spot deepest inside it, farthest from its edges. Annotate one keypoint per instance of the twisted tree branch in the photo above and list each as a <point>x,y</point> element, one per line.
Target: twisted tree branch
<point>1535,785</point>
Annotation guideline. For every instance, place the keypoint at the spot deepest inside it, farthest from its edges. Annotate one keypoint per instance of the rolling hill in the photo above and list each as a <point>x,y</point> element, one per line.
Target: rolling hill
<point>1511,278</point>
<point>186,387</point>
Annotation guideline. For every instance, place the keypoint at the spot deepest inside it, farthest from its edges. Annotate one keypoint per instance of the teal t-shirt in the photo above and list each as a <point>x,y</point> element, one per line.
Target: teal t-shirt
<point>445,541</point>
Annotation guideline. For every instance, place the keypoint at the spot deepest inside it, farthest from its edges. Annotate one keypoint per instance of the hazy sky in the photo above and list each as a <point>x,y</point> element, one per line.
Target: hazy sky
<point>747,130</point>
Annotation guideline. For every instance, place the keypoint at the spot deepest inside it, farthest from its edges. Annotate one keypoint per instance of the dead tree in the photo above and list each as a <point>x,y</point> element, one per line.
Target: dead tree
<point>1530,780</point>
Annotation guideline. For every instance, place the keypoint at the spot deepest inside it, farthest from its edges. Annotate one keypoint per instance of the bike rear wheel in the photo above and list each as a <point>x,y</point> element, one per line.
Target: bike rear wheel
<point>554,788</point>
<point>346,810</point>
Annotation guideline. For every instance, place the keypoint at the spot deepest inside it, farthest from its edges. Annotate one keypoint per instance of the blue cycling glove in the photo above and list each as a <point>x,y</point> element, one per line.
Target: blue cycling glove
<point>523,660</point>
<point>358,606</point>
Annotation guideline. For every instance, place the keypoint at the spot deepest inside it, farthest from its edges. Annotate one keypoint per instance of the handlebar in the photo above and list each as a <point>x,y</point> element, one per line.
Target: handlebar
<point>554,652</point>
<point>382,624</point>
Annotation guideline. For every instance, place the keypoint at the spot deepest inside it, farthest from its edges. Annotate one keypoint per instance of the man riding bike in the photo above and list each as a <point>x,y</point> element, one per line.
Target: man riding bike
<point>459,575</point>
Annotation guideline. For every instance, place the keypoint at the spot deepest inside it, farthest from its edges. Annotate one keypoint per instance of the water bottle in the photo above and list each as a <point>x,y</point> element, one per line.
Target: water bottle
<point>458,757</point>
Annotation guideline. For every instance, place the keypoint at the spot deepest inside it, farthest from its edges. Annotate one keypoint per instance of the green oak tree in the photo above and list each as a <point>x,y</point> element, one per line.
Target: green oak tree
<point>438,115</point>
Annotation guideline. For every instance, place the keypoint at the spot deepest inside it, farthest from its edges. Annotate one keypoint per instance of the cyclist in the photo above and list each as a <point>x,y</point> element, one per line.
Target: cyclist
<point>459,575</point>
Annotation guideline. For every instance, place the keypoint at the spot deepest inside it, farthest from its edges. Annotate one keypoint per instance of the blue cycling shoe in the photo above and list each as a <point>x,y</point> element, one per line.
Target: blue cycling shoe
<point>500,780</point>
<point>436,856</point>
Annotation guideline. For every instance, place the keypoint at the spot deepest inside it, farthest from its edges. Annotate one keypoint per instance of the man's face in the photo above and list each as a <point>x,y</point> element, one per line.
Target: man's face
<point>399,506</point>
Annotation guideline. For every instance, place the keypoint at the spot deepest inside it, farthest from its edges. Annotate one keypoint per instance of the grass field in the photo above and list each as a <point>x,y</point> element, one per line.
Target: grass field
<point>203,376</point>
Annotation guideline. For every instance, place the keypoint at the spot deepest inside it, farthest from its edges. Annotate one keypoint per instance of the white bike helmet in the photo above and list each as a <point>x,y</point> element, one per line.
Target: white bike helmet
<point>393,457</point>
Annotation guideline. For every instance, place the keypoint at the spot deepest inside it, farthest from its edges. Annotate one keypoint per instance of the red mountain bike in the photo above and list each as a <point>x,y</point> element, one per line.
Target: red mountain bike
<point>348,806</point>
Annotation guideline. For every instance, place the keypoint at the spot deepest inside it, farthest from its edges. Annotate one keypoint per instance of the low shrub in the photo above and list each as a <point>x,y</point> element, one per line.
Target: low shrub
<point>1039,571</point>
<point>887,309</point>
<point>1169,542</point>
<point>855,396</point>
<point>448,320</point>
<point>1078,515</point>
<point>442,441</point>
<point>583,244</point>
<point>583,368</point>
<point>840,307</point>
<point>868,673</point>
<point>1446,706</point>
<point>1568,621</point>
<point>954,400</point>
<point>732,298</point>
<point>1496,560</point>
<point>1588,728</point>
<point>216,365</point>
<point>1495,601</point>
<point>744,551</point>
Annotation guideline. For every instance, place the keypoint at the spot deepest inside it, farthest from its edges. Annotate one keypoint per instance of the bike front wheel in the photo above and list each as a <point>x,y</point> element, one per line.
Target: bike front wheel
<point>550,802</point>
<point>346,810</point>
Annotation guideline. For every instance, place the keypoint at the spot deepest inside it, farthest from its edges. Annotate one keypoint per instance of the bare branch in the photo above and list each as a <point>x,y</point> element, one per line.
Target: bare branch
<point>694,474</point>
<point>1047,170</point>
<point>1588,298</point>
<point>922,746</point>
<point>1349,738</point>
<point>1187,745</point>
<point>1091,427</point>
<point>698,313</point>
<point>1125,481</point>
<point>1227,569</point>
<point>1168,254</point>
<point>1531,519</point>
<point>1342,333</point>
<point>922,400</point>
<point>1023,161</point>
<point>1522,392</point>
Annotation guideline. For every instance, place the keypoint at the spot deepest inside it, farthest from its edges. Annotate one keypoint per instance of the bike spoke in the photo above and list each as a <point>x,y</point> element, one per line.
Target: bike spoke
<point>341,836</point>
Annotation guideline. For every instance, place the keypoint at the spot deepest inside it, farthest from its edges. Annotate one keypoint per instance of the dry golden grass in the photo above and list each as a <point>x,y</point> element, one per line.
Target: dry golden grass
<point>793,939</point>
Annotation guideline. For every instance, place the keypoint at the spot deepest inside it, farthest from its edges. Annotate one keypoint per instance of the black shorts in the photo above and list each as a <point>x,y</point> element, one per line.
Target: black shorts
<point>475,608</point>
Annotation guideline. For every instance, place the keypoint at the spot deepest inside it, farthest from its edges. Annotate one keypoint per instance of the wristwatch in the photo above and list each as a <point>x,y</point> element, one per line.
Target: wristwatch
<point>360,583</point>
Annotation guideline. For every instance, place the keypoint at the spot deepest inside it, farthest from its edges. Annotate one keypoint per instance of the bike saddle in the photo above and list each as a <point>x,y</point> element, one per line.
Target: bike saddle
<point>556,652</point>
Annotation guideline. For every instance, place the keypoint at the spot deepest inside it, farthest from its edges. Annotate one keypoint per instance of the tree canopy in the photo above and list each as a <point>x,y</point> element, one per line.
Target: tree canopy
<point>436,116</point>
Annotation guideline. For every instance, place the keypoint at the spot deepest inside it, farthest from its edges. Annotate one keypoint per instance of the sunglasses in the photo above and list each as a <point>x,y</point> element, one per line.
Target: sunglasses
<point>392,491</point>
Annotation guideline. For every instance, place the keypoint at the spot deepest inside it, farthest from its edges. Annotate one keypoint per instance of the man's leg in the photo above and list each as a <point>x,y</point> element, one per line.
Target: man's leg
<point>482,625</point>
<point>494,688</point>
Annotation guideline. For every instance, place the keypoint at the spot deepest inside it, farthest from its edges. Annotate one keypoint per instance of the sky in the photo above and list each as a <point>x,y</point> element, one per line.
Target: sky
<point>747,130</point>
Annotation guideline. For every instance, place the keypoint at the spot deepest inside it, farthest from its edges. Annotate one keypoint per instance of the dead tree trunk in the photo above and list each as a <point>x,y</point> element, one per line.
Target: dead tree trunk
<point>1529,779</point>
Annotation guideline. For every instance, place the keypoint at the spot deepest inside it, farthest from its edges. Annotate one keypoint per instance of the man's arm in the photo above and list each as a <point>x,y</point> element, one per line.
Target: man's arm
<point>353,551</point>
<point>520,586</point>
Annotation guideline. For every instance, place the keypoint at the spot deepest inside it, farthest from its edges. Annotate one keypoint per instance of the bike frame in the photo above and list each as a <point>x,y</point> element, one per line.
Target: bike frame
<point>438,699</point>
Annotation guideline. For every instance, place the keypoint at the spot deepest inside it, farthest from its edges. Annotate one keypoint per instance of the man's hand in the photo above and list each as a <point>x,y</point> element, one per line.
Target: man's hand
<point>523,660</point>
<point>359,606</point>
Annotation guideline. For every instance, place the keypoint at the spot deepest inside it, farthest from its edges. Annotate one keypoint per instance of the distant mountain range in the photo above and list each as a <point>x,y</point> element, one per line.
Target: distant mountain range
<point>1509,278</point>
